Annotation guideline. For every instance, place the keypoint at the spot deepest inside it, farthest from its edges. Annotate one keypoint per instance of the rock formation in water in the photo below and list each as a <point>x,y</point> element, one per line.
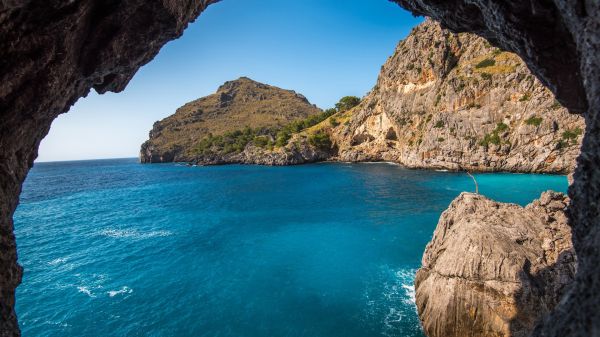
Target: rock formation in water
<point>237,105</point>
<point>495,269</point>
<point>453,101</point>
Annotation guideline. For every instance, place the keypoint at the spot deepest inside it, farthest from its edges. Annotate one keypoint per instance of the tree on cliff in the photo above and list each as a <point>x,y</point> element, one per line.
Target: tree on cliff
<point>347,103</point>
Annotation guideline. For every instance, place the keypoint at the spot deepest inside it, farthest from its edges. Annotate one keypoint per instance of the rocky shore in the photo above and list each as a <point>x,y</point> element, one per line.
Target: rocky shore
<point>495,269</point>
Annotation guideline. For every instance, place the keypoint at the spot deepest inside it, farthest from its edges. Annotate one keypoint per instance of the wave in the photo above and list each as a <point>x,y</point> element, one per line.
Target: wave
<point>58,261</point>
<point>86,290</point>
<point>134,233</point>
<point>123,290</point>
<point>391,301</point>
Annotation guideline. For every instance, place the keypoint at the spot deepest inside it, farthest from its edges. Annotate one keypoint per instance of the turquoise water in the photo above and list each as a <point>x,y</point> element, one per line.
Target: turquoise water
<point>114,248</point>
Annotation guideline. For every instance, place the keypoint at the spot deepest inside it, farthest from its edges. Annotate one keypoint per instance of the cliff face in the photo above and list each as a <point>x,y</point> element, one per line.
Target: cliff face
<point>559,41</point>
<point>53,52</point>
<point>236,105</point>
<point>453,101</point>
<point>495,269</point>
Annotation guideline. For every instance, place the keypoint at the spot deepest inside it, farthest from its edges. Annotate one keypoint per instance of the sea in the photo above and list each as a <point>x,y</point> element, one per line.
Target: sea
<point>116,248</point>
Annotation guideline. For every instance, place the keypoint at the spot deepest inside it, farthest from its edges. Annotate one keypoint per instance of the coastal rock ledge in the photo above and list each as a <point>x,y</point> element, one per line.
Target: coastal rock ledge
<point>495,269</point>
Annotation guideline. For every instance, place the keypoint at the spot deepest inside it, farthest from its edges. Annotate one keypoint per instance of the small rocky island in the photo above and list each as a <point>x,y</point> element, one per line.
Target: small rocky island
<point>215,129</point>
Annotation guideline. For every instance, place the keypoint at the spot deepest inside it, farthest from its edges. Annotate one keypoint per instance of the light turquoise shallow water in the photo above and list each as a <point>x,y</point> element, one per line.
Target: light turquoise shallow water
<point>114,248</point>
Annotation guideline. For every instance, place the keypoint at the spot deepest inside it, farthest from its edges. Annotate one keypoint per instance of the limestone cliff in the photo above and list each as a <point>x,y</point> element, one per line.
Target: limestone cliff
<point>453,101</point>
<point>237,105</point>
<point>495,269</point>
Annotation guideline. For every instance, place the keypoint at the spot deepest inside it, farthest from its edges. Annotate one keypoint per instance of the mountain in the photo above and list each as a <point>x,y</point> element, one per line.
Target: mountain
<point>442,101</point>
<point>452,101</point>
<point>242,104</point>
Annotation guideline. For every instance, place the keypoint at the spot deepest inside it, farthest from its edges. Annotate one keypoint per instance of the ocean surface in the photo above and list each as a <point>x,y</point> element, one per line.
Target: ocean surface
<point>115,248</point>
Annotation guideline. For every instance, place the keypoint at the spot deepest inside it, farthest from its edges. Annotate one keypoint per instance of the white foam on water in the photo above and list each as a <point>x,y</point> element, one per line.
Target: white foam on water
<point>410,293</point>
<point>123,290</point>
<point>390,299</point>
<point>86,290</point>
<point>89,284</point>
<point>58,261</point>
<point>134,233</point>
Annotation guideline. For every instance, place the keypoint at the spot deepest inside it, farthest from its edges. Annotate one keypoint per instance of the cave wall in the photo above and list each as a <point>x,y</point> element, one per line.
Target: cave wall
<point>559,40</point>
<point>53,52</point>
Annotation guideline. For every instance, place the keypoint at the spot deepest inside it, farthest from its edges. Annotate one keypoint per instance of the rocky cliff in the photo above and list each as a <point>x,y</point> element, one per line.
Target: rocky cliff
<point>495,269</point>
<point>559,41</point>
<point>453,101</point>
<point>238,108</point>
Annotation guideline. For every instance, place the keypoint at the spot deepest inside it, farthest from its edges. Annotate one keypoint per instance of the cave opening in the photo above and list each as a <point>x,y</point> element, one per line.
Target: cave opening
<point>28,109</point>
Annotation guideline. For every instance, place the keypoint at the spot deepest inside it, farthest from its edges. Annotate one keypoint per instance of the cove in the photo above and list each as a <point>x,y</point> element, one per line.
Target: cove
<point>111,247</point>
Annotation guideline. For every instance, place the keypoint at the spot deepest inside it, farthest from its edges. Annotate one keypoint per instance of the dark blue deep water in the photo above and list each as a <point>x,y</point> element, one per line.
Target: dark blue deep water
<point>114,248</point>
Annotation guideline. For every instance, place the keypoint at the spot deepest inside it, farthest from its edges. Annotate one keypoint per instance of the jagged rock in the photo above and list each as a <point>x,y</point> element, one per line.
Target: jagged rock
<point>453,101</point>
<point>495,269</point>
<point>54,52</point>
<point>236,105</point>
<point>559,40</point>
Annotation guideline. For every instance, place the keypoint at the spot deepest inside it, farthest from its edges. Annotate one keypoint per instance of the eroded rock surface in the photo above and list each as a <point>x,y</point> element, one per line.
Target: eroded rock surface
<point>453,101</point>
<point>559,40</point>
<point>52,53</point>
<point>494,269</point>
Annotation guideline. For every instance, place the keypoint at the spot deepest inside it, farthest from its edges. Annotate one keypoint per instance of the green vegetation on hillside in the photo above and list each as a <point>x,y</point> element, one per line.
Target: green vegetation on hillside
<point>571,135</point>
<point>494,136</point>
<point>485,63</point>
<point>320,140</point>
<point>277,136</point>
<point>346,103</point>
<point>535,121</point>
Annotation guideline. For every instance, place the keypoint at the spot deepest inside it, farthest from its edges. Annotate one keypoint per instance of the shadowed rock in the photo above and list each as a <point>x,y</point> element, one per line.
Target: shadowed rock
<point>494,269</point>
<point>52,53</point>
<point>559,40</point>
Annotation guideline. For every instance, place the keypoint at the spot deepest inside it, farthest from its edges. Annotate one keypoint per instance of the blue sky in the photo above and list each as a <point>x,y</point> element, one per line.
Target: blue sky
<point>324,49</point>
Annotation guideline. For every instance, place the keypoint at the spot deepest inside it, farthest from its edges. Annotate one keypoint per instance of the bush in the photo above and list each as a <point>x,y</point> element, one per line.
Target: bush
<point>282,138</point>
<point>486,76</point>
<point>535,121</point>
<point>439,124</point>
<point>346,103</point>
<point>262,141</point>
<point>320,140</point>
<point>492,138</point>
<point>501,127</point>
<point>333,122</point>
<point>485,63</point>
<point>571,135</point>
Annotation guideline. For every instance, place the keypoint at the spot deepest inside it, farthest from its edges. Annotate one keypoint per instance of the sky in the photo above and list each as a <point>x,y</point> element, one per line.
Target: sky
<point>323,49</point>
